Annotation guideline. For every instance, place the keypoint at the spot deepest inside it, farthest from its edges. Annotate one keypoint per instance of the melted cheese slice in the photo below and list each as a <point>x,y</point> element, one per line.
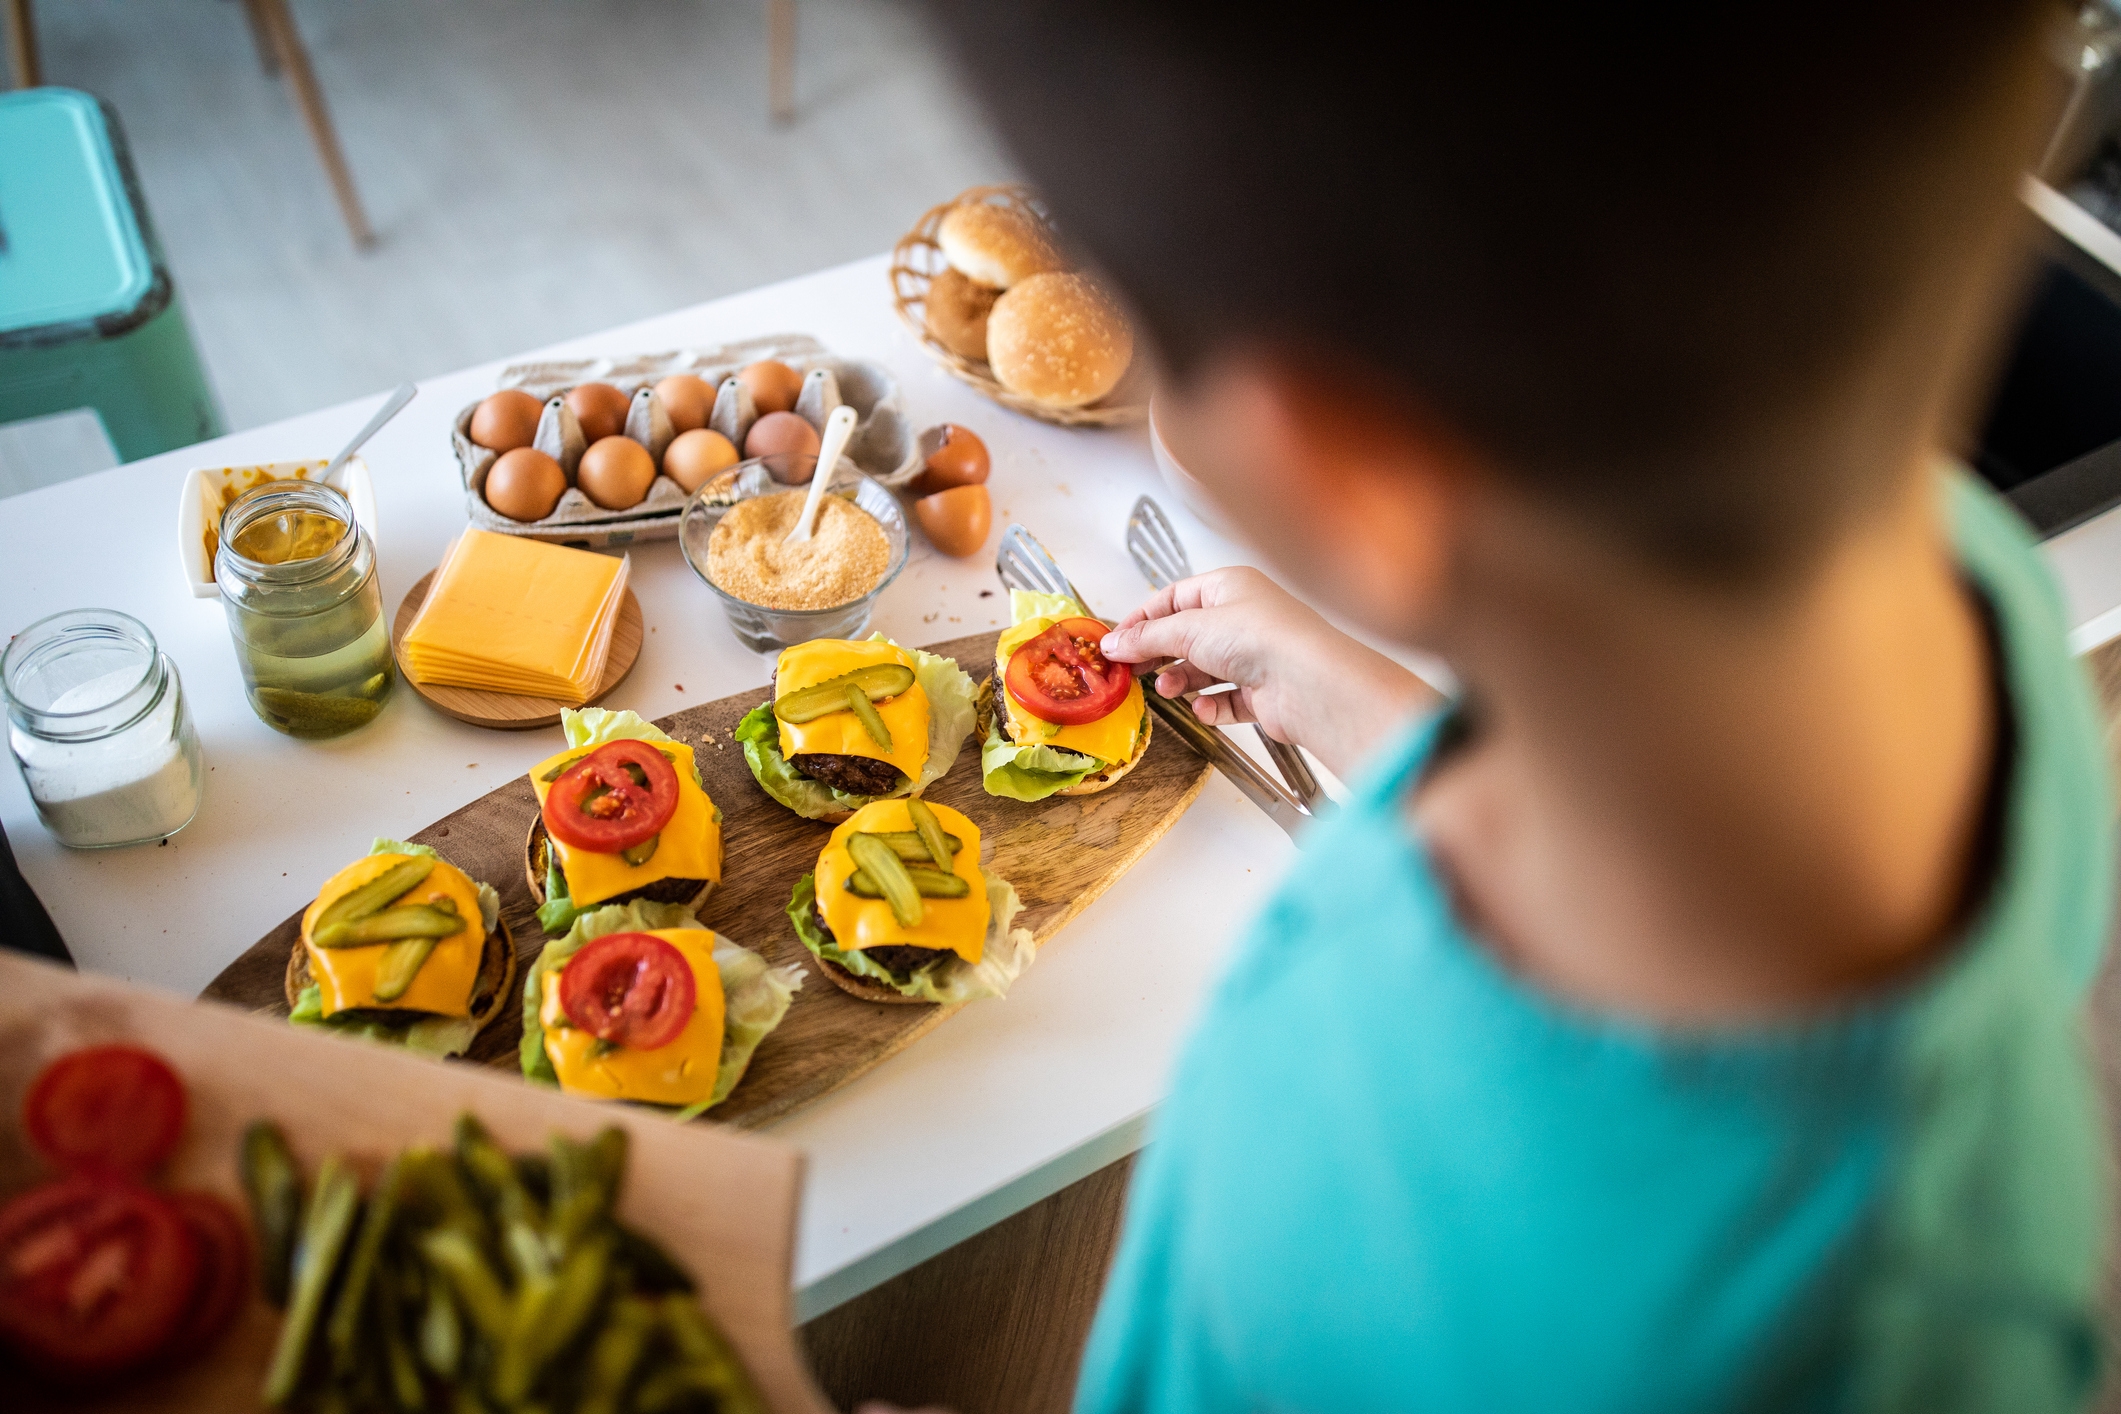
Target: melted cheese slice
<point>442,986</point>
<point>680,1073</point>
<point>956,925</point>
<point>841,733</point>
<point>1110,738</point>
<point>691,846</point>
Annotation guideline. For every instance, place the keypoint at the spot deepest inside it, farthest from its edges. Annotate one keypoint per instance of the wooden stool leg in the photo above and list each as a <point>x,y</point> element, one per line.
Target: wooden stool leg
<point>22,45</point>
<point>261,36</point>
<point>780,60</point>
<point>310,99</point>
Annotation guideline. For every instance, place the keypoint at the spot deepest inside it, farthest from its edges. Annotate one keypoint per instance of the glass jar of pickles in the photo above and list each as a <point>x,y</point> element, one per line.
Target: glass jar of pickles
<point>298,580</point>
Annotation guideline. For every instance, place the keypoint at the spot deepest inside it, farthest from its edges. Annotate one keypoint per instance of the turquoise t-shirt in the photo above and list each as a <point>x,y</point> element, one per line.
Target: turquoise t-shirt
<point>1392,1176</point>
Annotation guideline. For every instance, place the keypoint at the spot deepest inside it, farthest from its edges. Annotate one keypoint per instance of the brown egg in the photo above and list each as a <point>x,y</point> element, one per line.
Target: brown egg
<point>600,408</point>
<point>693,457</point>
<point>781,432</point>
<point>616,473</point>
<point>507,420</point>
<point>688,400</point>
<point>956,521</point>
<point>525,484</point>
<point>954,457</point>
<point>774,385</point>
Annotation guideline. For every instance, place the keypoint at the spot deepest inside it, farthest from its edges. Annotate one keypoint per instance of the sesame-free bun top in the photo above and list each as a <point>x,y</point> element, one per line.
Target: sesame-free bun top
<point>1058,339</point>
<point>996,246</point>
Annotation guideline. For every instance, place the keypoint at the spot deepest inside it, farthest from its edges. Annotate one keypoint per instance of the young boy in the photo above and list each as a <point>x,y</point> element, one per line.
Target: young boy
<point>1686,1015</point>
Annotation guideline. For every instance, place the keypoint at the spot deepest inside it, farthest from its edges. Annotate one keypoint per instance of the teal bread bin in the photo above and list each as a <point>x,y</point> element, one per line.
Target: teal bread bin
<point>88,315</point>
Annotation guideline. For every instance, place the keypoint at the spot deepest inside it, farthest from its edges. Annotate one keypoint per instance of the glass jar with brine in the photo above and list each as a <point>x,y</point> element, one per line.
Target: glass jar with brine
<point>298,579</point>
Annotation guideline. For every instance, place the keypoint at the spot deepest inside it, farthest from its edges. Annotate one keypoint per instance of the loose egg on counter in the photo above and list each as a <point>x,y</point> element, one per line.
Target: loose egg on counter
<point>688,400</point>
<point>951,456</point>
<point>781,432</point>
<point>956,521</point>
<point>507,420</point>
<point>525,484</point>
<point>600,408</point>
<point>694,457</point>
<point>774,386</point>
<point>616,473</point>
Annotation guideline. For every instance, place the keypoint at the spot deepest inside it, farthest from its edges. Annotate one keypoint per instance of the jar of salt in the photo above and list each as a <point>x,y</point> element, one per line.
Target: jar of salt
<point>97,722</point>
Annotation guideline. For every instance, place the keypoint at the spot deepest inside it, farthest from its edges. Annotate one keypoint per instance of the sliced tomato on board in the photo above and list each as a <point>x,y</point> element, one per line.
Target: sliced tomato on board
<point>1060,676</point>
<point>113,1109</point>
<point>631,989</point>
<point>612,799</point>
<point>95,1275</point>
<point>224,1276</point>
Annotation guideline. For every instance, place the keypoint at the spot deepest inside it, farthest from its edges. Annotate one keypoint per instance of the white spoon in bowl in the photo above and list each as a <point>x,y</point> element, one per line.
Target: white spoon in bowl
<point>838,428</point>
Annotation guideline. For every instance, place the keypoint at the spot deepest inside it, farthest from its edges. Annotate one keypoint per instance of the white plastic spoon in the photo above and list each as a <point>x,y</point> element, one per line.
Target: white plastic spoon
<point>392,406</point>
<point>838,428</point>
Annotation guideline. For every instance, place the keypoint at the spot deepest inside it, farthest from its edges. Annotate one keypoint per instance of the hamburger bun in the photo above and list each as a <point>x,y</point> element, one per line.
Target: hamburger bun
<point>692,893</point>
<point>489,992</point>
<point>984,708</point>
<point>957,312</point>
<point>867,989</point>
<point>1058,340</point>
<point>996,246</point>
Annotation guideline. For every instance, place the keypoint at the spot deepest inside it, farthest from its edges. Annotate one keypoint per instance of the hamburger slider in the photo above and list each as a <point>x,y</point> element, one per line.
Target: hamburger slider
<point>403,947</point>
<point>853,722</point>
<point>899,909</point>
<point>622,815</point>
<point>1057,718</point>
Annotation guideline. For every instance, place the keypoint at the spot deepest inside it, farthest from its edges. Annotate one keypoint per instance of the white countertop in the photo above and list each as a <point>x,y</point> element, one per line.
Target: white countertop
<point>1007,1103</point>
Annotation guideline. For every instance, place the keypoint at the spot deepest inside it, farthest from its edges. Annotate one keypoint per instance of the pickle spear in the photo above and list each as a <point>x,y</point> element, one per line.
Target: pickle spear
<point>439,919</point>
<point>930,830</point>
<point>885,870</point>
<point>375,895</point>
<point>877,682</point>
<point>401,963</point>
<point>872,721</point>
<point>910,847</point>
<point>928,882</point>
<point>274,1187</point>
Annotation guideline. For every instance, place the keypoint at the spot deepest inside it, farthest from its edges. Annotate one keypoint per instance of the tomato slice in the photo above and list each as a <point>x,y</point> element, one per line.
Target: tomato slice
<point>631,989</point>
<point>613,799</point>
<point>95,1275</point>
<point>1060,676</point>
<point>114,1109</point>
<point>224,1276</point>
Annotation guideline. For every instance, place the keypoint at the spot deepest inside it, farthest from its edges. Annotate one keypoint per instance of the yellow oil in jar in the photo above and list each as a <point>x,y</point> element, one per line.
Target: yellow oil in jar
<point>289,536</point>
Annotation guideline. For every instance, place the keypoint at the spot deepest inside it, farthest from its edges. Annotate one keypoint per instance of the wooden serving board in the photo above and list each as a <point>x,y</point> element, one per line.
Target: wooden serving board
<point>512,711</point>
<point>1059,853</point>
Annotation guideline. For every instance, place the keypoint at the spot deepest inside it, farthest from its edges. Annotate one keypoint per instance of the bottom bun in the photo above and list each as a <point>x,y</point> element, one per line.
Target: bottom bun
<point>867,988</point>
<point>497,975</point>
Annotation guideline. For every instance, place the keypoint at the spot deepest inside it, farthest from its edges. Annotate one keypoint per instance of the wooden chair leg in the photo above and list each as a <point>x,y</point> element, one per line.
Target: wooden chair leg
<point>294,59</point>
<point>261,36</point>
<point>22,45</point>
<point>780,60</point>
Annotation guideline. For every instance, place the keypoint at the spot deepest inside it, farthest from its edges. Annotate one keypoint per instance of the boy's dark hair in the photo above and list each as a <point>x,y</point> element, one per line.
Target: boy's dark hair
<point>1608,249</point>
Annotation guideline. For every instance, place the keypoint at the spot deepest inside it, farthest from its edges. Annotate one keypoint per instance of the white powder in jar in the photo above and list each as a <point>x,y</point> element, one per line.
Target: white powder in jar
<point>139,784</point>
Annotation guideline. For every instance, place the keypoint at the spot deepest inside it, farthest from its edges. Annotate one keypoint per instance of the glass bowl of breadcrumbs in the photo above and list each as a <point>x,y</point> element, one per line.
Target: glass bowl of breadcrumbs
<point>734,534</point>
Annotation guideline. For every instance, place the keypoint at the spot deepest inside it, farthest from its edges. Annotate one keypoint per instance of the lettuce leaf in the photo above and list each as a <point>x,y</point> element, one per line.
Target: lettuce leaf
<point>951,719</point>
<point>1023,604</point>
<point>755,995</point>
<point>598,726</point>
<point>1030,772</point>
<point>1007,953</point>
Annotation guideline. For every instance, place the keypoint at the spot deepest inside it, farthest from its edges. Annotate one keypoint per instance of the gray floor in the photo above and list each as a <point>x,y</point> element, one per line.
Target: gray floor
<point>534,169</point>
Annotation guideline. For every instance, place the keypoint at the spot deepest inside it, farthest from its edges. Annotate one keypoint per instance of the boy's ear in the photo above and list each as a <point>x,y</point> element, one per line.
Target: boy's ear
<point>1357,496</point>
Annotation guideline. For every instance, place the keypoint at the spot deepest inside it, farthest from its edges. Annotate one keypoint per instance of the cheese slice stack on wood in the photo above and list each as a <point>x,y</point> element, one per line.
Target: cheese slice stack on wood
<point>507,614</point>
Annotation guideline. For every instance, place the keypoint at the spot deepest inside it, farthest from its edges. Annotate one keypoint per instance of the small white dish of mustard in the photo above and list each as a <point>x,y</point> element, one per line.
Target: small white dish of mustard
<point>210,490</point>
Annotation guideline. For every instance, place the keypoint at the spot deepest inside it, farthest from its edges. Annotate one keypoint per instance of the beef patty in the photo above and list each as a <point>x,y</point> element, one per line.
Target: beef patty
<point>900,961</point>
<point>856,775</point>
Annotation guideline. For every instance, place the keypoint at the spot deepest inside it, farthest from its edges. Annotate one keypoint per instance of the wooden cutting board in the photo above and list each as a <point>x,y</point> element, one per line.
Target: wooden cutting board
<point>1059,853</point>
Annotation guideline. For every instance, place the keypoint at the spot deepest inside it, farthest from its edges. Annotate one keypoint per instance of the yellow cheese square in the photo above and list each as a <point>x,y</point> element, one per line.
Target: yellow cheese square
<point>956,925</point>
<point>841,733</point>
<point>690,847</point>
<point>517,615</point>
<point>1109,738</point>
<point>680,1073</point>
<point>346,977</point>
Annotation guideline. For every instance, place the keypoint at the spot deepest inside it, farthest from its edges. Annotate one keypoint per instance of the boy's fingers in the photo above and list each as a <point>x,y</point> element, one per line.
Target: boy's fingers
<point>1222,709</point>
<point>1167,637</point>
<point>1177,679</point>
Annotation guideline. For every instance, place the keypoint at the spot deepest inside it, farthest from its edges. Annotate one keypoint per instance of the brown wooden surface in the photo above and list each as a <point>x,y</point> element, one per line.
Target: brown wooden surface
<point>1059,853</point>
<point>508,711</point>
<point>995,1325</point>
<point>724,1204</point>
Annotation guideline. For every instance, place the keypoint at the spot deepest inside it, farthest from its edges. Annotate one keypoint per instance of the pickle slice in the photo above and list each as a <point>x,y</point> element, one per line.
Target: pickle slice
<point>871,721</point>
<point>910,847</point>
<point>401,963</point>
<point>412,920</point>
<point>928,882</point>
<point>375,895</point>
<point>642,852</point>
<point>930,830</point>
<point>893,884</point>
<point>877,682</point>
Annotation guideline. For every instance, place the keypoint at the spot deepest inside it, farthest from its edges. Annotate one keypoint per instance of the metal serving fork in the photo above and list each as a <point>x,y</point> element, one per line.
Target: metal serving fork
<point>1161,557</point>
<point>1025,564</point>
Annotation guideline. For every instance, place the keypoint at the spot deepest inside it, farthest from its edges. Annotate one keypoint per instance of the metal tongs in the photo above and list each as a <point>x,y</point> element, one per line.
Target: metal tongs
<point>1025,564</point>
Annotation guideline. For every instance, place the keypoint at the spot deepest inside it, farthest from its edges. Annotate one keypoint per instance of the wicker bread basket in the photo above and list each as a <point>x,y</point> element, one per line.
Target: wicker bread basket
<point>918,259</point>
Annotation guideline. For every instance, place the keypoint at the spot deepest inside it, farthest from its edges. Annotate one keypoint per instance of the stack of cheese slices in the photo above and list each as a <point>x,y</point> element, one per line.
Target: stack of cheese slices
<point>507,614</point>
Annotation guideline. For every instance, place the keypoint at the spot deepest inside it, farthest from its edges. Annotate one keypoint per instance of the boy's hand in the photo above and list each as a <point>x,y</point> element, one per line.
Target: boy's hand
<point>1300,678</point>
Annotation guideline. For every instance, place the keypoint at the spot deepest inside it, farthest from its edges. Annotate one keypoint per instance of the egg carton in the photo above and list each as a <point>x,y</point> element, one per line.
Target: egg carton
<point>884,445</point>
